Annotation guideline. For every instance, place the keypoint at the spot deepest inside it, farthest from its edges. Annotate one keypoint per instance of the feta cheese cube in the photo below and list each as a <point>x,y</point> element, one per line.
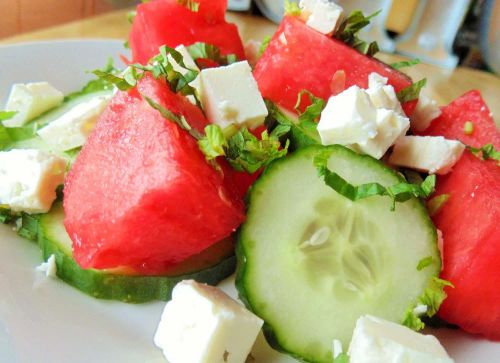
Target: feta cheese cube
<point>425,112</point>
<point>201,324</point>
<point>390,126</point>
<point>230,95</point>
<point>383,95</point>
<point>432,154</point>
<point>348,118</point>
<point>375,340</point>
<point>29,178</point>
<point>49,267</point>
<point>31,100</point>
<point>322,15</point>
<point>72,128</point>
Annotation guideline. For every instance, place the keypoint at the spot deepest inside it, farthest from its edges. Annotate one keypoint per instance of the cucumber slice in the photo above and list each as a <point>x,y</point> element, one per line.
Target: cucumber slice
<point>210,266</point>
<point>310,261</point>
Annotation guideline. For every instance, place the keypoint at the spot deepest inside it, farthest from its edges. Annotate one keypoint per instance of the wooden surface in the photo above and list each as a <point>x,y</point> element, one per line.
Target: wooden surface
<point>443,85</point>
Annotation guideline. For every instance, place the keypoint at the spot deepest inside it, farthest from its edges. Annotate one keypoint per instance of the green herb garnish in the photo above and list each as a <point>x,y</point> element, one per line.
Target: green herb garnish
<point>405,64</point>
<point>425,262</point>
<point>400,192</point>
<point>349,29</point>
<point>485,152</point>
<point>264,45</point>
<point>313,111</point>
<point>192,5</point>
<point>208,51</point>
<point>292,8</point>
<point>411,92</point>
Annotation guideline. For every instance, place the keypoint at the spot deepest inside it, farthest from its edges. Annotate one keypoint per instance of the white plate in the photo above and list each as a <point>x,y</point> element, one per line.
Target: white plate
<point>45,321</point>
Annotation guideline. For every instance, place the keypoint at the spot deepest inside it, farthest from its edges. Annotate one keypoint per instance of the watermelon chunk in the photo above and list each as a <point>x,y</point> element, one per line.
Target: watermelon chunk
<point>298,58</point>
<point>469,221</point>
<point>141,193</point>
<point>469,107</point>
<point>157,23</point>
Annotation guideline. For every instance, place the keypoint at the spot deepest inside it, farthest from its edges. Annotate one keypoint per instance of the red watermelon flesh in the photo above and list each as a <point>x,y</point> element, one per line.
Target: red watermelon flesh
<point>141,192</point>
<point>298,57</point>
<point>469,107</point>
<point>469,221</point>
<point>166,22</point>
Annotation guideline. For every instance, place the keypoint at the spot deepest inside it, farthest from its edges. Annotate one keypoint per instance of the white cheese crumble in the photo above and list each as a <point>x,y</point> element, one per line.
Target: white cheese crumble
<point>431,154</point>
<point>29,178</point>
<point>426,111</point>
<point>378,340</point>
<point>201,324</point>
<point>230,95</point>
<point>71,129</point>
<point>368,121</point>
<point>31,100</point>
<point>322,15</point>
<point>49,267</point>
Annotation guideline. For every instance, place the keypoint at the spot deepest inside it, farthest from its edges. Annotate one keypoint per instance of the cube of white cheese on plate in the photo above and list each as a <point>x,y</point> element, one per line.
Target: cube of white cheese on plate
<point>201,324</point>
<point>376,340</point>
<point>29,178</point>
<point>432,154</point>
<point>425,112</point>
<point>383,95</point>
<point>390,126</point>
<point>348,118</point>
<point>230,95</point>
<point>322,15</point>
<point>31,100</point>
<point>72,128</point>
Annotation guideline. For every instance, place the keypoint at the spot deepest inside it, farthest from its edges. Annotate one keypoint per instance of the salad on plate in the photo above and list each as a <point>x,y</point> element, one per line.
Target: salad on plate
<point>354,210</point>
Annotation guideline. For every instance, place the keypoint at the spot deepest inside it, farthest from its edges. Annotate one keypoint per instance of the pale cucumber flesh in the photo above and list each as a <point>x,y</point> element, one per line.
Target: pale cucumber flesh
<point>311,261</point>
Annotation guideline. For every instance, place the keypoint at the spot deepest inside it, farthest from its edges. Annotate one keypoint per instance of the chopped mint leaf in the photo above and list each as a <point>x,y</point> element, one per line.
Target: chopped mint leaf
<point>7,115</point>
<point>485,152</point>
<point>305,131</point>
<point>435,204</point>
<point>119,82</point>
<point>468,128</point>
<point>264,45</point>
<point>292,8</point>
<point>341,358</point>
<point>126,44</point>
<point>180,120</point>
<point>425,262</point>
<point>202,50</point>
<point>245,152</point>
<point>400,192</point>
<point>348,32</point>
<point>213,143</point>
<point>434,295</point>
<point>432,298</point>
<point>405,64</point>
<point>412,320</point>
<point>5,138</point>
<point>411,92</point>
<point>192,5</point>
<point>313,111</point>
<point>96,85</point>
<point>131,16</point>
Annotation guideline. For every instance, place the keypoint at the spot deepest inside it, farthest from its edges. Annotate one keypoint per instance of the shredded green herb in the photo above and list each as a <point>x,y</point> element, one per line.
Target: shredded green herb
<point>313,111</point>
<point>435,204</point>
<point>349,29</point>
<point>292,8</point>
<point>425,262</point>
<point>192,5</point>
<point>208,51</point>
<point>405,64</point>
<point>485,152</point>
<point>399,192</point>
<point>411,92</point>
<point>264,45</point>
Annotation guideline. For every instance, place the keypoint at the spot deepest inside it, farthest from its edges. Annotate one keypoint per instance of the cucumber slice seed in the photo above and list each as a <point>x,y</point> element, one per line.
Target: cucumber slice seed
<point>310,261</point>
<point>119,284</point>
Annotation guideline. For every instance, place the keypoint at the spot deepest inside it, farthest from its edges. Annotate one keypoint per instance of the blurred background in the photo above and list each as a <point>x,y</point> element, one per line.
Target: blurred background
<point>441,32</point>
